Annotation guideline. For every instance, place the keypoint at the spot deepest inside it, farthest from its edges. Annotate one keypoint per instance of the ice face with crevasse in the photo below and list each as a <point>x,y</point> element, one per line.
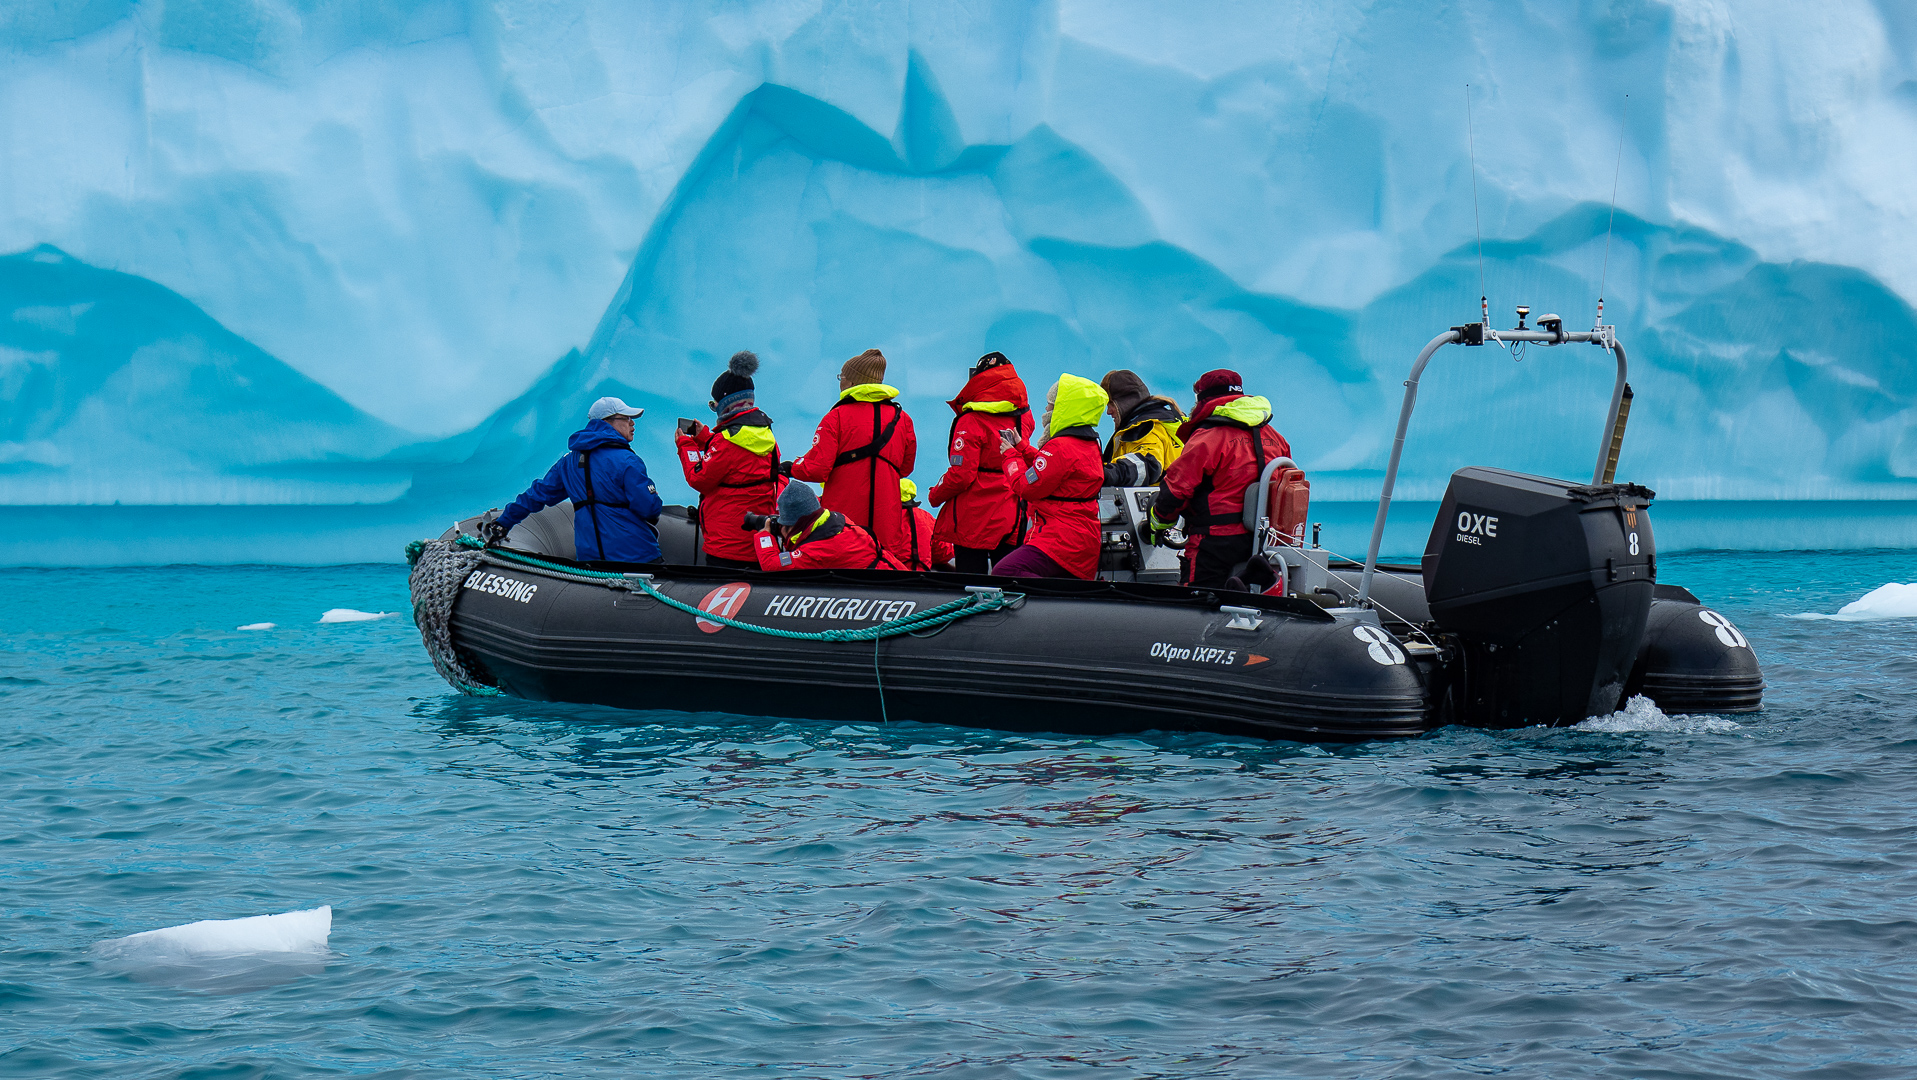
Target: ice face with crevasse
<point>360,266</point>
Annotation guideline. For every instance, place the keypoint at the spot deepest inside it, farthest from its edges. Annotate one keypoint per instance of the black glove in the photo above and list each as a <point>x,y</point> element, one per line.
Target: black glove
<point>1259,575</point>
<point>785,469</point>
<point>494,532</point>
<point>756,522</point>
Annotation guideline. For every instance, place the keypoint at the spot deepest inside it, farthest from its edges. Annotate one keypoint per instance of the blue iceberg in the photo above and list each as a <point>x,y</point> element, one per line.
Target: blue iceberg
<point>299,285</point>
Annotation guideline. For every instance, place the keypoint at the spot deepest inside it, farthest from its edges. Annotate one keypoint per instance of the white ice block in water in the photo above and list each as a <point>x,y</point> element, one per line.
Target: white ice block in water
<point>224,955</point>
<point>1642,714</point>
<point>290,932</point>
<point>346,614</point>
<point>258,626</point>
<point>1892,601</point>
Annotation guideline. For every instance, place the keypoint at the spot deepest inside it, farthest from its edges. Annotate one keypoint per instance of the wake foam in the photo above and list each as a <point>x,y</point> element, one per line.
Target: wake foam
<point>1641,714</point>
<point>224,955</point>
<point>346,614</point>
<point>1892,601</point>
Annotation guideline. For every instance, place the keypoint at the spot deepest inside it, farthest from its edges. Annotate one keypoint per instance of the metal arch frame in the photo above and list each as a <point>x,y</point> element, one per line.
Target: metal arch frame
<point>1603,336</point>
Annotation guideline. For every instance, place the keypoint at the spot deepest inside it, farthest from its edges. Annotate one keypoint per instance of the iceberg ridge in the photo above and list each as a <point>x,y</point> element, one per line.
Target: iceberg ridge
<point>369,269</point>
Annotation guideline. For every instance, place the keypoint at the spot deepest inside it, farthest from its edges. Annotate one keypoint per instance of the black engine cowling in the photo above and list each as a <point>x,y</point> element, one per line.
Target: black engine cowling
<point>1548,585</point>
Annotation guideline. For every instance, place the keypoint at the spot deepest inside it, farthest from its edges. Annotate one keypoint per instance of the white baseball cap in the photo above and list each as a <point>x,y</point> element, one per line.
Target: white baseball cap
<point>611,406</point>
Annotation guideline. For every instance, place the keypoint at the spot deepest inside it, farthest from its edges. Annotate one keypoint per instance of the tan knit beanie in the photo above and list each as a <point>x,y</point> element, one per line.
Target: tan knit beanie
<point>867,367</point>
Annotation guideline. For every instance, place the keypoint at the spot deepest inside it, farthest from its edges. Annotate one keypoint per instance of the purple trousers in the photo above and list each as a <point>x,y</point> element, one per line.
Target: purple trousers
<point>1028,561</point>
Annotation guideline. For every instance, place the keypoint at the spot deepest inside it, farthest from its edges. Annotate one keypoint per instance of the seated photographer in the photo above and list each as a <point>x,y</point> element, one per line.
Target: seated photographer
<point>806,536</point>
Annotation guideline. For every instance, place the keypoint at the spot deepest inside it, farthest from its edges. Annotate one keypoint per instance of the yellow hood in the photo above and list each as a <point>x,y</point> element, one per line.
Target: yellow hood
<point>1080,403</point>
<point>1246,410</point>
<point>758,440</point>
<point>871,391</point>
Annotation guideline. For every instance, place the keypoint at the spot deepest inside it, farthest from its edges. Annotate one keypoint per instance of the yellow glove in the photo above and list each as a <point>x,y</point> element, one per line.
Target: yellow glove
<point>1157,527</point>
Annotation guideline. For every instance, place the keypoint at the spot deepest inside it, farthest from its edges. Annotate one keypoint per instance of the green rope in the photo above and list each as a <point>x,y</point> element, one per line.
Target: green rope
<point>930,618</point>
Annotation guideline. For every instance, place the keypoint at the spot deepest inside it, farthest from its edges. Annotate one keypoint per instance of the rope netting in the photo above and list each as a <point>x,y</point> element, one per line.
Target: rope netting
<point>439,569</point>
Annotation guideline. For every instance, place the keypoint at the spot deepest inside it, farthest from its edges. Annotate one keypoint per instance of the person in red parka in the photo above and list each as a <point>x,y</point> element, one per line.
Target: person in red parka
<point>811,537</point>
<point>928,552</point>
<point>1228,441</point>
<point>864,446</point>
<point>979,513</point>
<point>1060,483</point>
<point>733,465</point>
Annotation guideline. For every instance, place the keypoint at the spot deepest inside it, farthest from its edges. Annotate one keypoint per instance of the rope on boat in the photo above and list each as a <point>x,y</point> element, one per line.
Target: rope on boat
<point>438,571</point>
<point>978,603</point>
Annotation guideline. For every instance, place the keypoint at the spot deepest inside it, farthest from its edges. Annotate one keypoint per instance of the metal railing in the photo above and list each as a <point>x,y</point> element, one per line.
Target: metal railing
<point>1479,334</point>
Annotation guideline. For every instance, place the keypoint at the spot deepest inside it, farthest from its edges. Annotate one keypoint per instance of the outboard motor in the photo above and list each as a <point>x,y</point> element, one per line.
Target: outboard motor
<point>1548,585</point>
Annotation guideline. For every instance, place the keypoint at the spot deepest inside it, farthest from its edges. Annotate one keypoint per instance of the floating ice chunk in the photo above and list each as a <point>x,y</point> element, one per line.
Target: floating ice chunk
<point>291,932</point>
<point>346,614</point>
<point>1892,601</point>
<point>1641,714</point>
<point>224,955</point>
<point>258,626</point>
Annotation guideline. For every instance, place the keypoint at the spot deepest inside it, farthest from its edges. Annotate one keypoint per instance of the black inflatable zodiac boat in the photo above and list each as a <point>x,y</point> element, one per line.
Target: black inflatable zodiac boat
<point>1536,603</point>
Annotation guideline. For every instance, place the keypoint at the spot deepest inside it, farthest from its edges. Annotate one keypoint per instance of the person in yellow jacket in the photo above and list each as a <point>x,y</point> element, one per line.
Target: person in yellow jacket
<point>1145,442</point>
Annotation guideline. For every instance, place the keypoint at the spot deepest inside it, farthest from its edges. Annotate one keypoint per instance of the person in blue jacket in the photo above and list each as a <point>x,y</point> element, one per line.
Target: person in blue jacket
<point>615,506</point>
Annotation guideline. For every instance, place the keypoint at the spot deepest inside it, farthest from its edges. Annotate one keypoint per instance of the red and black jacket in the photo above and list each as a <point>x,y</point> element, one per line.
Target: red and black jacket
<point>1222,457</point>
<point>731,481</point>
<point>861,451</point>
<point>833,543</point>
<point>978,510</point>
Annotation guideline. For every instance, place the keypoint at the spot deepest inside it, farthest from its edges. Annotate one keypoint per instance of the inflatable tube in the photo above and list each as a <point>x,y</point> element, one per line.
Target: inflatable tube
<point>1693,660</point>
<point>1070,656</point>
<point>1547,611</point>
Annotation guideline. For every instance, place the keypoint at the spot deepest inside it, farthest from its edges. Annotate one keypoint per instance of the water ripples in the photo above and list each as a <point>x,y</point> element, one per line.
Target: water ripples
<point>535,890</point>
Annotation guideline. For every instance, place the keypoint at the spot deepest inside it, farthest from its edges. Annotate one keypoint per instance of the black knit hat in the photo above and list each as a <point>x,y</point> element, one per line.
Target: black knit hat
<point>734,388</point>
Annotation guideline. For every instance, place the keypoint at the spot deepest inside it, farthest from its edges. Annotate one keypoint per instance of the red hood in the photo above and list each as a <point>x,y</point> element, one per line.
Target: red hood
<point>1205,408</point>
<point>994,384</point>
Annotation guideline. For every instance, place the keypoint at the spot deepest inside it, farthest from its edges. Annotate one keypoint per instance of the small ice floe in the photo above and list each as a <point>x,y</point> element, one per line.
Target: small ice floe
<point>257,626</point>
<point>225,954</point>
<point>1892,601</point>
<point>1641,714</point>
<point>346,614</point>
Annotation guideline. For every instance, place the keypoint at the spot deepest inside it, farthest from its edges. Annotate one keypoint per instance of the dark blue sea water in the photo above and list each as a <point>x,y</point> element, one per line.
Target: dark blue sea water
<point>527,890</point>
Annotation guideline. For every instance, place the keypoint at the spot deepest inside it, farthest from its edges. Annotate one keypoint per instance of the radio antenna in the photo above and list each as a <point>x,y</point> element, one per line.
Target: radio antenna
<point>1471,140</point>
<point>1616,171</point>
